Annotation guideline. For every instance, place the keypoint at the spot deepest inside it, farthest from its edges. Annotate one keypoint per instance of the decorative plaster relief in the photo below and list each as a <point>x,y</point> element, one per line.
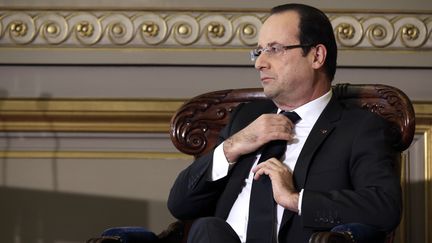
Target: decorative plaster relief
<point>198,29</point>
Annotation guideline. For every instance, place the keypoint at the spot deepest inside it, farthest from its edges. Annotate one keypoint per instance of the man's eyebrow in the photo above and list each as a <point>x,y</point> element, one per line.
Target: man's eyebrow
<point>272,43</point>
<point>269,44</point>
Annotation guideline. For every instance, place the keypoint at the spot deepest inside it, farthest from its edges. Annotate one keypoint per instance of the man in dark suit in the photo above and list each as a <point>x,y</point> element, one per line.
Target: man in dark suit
<point>338,166</point>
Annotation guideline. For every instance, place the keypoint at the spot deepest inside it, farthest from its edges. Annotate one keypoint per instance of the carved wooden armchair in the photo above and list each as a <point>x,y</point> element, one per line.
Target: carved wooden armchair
<point>196,125</point>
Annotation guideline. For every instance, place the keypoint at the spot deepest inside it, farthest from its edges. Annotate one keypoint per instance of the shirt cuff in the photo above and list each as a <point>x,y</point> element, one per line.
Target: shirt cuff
<point>220,165</point>
<point>300,201</point>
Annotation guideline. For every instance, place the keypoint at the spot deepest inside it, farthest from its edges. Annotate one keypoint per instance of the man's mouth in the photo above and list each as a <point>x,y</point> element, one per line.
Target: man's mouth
<point>265,79</point>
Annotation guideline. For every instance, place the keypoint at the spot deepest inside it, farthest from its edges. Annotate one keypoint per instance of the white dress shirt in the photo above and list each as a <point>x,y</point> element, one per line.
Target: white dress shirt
<point>238,216</point>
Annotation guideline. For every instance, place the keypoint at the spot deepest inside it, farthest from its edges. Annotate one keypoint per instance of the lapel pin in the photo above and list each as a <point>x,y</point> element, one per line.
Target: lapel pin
<point>323,131</point>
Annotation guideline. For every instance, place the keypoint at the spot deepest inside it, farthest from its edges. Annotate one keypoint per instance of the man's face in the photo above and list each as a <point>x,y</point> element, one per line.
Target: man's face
<point>287,77</point>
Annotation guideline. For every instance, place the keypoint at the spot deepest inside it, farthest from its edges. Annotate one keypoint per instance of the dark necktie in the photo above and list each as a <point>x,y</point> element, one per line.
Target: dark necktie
<point>262,215</point>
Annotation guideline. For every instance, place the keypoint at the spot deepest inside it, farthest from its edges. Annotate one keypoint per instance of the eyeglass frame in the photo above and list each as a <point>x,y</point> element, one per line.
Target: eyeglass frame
<point>254,52</point>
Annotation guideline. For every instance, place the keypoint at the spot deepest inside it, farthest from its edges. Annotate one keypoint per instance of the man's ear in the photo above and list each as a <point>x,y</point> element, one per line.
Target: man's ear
<point>319,57</point>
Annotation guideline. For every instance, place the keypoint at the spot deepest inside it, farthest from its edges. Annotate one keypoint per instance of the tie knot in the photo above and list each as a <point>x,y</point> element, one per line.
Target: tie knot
<point>292,115</point>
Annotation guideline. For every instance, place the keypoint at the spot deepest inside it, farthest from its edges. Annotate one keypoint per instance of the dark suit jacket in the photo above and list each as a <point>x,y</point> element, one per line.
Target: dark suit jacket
<point>346,169</point>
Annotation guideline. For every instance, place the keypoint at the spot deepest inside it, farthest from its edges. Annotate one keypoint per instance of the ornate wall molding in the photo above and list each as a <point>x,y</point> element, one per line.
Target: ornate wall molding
<point>163,29</point>
<point>390,31</point>
<point>185,37</point>
<point>128,28</point>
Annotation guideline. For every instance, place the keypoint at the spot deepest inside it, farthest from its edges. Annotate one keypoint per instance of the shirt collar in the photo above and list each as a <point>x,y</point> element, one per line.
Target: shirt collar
<point>310,111</point>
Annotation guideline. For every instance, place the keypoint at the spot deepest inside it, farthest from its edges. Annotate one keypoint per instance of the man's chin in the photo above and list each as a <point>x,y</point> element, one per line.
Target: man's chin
<point>269,93</point>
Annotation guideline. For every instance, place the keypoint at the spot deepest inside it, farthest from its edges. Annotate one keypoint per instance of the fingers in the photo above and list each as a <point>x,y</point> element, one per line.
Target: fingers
<point>266,128</point>
<point>279,127</point>
<point>284,191</point>
<point>271,167</point>
<point>278,120</point>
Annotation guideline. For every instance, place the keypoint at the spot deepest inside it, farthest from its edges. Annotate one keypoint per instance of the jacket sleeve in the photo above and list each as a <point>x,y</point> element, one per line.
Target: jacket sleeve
<point>194,194</point>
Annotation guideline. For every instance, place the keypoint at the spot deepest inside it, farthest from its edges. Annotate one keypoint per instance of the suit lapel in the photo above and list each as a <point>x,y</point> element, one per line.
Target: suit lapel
<point>320,131</point>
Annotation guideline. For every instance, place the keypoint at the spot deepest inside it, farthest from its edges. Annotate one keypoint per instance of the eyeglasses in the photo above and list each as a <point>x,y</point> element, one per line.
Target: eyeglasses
<point>273,49</point>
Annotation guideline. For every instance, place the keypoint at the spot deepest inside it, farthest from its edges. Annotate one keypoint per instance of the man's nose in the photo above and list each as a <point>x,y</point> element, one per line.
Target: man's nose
<point>261,62</point>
